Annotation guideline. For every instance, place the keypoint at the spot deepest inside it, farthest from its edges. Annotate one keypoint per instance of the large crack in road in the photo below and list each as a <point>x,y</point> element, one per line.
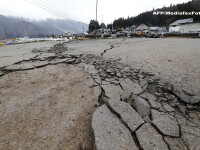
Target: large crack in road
<point>112,46</point>
<point>166,116</point>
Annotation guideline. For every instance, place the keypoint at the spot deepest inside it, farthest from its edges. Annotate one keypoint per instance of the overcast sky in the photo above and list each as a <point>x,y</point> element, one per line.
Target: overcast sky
<point>82,10</point>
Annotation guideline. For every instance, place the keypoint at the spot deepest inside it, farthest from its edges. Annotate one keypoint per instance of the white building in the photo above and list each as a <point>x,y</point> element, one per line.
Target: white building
<point>184,26</point>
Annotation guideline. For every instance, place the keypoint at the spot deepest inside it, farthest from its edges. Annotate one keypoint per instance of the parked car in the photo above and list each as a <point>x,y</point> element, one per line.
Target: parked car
<point>9,42</point>
<point>121,33</point>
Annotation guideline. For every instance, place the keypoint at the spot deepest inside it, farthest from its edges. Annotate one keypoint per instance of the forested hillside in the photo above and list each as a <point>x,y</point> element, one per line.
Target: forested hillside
<point>161,20</point>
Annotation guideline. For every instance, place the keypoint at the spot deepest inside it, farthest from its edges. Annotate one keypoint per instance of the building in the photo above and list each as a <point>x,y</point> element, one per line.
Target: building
<point>154,29</point>
<point>184,26</point>
<point>141,27</point>
<point>132,28</point>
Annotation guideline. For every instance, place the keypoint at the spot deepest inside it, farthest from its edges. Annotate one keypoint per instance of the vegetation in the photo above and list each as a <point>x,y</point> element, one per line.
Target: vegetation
<point>160,20</point>
<point>93,24</point>
<point>103,25</point>
<point>1,44</point>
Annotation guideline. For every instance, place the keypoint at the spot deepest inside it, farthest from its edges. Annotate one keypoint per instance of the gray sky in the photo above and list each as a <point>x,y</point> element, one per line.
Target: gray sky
<point>82,10</point>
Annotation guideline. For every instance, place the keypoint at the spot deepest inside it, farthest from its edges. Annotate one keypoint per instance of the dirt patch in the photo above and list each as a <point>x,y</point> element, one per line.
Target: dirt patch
<point>47,108</point>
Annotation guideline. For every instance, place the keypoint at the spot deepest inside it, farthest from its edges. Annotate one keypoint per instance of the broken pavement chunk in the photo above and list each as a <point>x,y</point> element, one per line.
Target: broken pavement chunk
<point>186,98</point>
<point>90,69</point>
<point>191,136</point>
<point>125,96</point>
<point>130,86</point>
<point>112,91</point>
<point>152,100</point>
<point>175,143</point>
<point>150,139</point>
<point>26,65</point>
<point>165,123</point>
<point>110,133</point>
<point>141,106</point>
<point>127,114</point>
<point>168,108</point>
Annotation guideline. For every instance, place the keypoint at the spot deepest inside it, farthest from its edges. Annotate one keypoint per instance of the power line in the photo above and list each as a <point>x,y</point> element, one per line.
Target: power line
<point>55,12</point>
<point>50,10</point>
<point>44,8</point>
<point>52,7</point>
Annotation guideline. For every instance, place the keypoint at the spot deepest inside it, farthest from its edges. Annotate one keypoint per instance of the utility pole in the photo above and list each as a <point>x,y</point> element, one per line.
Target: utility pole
<point>5,30</point>
<point>76,28</point>
<point>96,16</point>
<point>83,28</point>
<point>112,26</point>
<point>24,34</point>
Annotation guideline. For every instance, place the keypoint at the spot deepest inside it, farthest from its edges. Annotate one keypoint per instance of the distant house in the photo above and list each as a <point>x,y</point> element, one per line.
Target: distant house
<point>102,31</point>
<point>68,34</point>
<point>132,28</point>
<point>184,26</point>
<point>154,29</point>
<point>141,27</point>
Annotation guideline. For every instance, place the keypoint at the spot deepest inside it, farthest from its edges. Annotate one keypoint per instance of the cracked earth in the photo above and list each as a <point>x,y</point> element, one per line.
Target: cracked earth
<point>100,94</point>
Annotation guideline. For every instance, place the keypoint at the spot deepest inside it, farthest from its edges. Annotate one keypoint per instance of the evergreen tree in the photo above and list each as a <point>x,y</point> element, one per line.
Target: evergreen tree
<point>92,25</point>
<point>103,25</point>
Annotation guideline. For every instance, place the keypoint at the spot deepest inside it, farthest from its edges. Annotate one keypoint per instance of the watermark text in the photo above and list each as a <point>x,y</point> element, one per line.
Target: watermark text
<point>176,13</point>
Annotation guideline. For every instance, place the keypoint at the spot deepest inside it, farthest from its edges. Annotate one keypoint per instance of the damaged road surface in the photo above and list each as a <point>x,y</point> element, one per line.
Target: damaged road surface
<point>63,99</point>
<point>47,108</point>
<point>47,105</point>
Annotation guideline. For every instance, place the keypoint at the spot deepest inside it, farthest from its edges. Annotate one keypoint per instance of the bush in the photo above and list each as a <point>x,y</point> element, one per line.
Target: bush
<point>1,44</point>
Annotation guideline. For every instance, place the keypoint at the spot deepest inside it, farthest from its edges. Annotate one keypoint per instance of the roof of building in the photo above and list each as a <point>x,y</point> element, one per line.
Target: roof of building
<point>141,27</point>
<point>133,26</point>
<point>154,28</point>
<point>182,21</point>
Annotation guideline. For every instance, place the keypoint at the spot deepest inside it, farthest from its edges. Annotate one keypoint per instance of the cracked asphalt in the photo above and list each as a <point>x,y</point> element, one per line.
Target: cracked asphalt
<point>174,60</point>
<point>100,94</point>
<point>14,53</point>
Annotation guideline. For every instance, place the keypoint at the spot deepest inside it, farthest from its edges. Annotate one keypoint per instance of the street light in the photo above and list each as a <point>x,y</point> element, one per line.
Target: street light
<point>96,16</point>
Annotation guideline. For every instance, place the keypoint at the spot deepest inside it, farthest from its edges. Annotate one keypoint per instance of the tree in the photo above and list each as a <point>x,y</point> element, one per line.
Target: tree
<point>103,25</point>
<point>92,25</point>
<point>109,26</point>
<point>160,20</point>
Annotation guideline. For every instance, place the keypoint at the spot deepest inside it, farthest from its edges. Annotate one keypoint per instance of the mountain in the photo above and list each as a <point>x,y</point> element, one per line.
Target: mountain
<point>13,27</point>
<point>63,25</point>
<point>161,20</point>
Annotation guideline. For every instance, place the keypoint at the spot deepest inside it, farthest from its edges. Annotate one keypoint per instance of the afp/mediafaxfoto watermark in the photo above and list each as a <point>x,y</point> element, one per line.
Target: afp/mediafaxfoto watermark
<point>176,13</point>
